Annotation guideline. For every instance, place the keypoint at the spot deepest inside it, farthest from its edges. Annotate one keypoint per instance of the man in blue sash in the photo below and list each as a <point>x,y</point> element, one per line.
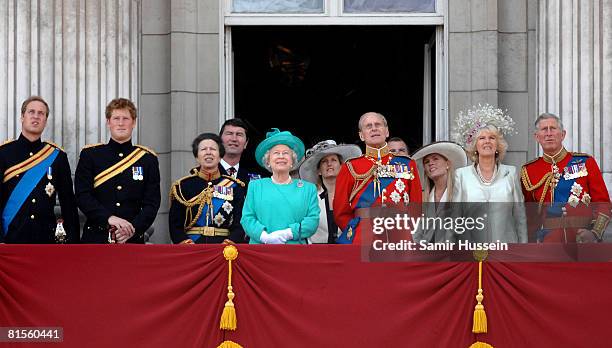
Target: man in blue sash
<point>117,184</point>
<point>377,179</point>
<point>33,173</point>
<point>573,201</point>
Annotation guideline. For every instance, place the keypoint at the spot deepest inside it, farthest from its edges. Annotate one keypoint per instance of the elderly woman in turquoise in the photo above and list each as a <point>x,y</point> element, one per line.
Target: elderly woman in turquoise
<point>280,209</point>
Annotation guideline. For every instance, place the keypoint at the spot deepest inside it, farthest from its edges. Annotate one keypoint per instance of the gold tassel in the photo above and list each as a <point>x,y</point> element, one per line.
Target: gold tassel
<point>476,345</point>
<point>480,317</point>
<point>228,317</point>
<point>229,344</point>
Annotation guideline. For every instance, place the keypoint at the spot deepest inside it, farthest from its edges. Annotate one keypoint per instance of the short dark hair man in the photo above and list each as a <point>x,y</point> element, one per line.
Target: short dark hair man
<point>32,174</point>
<point>397,146</point>
<point>235,136</point>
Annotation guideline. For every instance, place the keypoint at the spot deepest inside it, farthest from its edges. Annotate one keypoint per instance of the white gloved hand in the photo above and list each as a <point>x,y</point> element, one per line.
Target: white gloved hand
<point>285,233</point>
<point>272,238</point>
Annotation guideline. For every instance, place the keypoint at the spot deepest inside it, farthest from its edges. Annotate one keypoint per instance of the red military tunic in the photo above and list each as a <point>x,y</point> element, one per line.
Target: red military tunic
<point>367,182</point>
<point>574,188</point>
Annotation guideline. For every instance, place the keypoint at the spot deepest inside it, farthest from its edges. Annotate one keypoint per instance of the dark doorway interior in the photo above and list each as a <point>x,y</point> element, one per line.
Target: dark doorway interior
<point>317,81</point>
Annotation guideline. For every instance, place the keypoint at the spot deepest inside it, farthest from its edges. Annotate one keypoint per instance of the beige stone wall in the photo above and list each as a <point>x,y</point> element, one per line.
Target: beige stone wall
<point>575,73</point>
<point>179,85</point>
<point>492,60</point>
<point>77,54</point>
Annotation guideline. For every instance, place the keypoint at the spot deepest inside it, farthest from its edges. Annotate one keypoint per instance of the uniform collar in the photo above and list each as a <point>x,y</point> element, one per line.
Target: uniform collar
<point>377,153</point>
<point>206,176</point>
<point>120,147</point>
<point>31,145</point>
<point>558,157</point>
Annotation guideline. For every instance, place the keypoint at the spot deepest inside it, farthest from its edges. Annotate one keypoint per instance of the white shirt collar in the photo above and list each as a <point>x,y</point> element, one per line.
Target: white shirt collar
<point>226,165</point>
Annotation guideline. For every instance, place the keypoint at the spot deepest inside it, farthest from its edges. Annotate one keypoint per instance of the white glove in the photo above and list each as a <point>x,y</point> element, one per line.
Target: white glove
<point>271,238</point>
<point>286,234</point>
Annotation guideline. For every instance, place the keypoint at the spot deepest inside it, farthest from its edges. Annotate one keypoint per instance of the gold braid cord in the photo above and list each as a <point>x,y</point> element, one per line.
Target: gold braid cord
<point>204,197</point>
<point>360,179</point>
<point>479,324</point>
<point>228,317</point>
<point>546,180</point>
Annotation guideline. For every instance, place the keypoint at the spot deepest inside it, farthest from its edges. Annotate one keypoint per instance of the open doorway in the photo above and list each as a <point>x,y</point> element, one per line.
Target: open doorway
<point>317,81</point>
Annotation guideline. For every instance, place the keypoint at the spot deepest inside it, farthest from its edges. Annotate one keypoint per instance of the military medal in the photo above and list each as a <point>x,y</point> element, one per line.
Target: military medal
<point>60,233</point>
<point>575,171</point>
<point>49,189</point>
<point>137,173</point>
<point>254,176</point>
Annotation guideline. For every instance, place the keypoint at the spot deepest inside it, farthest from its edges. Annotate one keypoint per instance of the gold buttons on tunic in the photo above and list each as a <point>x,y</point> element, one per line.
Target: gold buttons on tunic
<point>32,216</point>
<point>33,200</point>
<point>118,204</point>
<point>119,187</point>
<point>31,154</point>
<point>120,154</point>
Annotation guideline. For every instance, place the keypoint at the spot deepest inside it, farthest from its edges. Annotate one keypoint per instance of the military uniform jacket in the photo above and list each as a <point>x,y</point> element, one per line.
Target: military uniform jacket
<point>191,209</point>
<point>35,220</point>
<point>579,189</point>
<point>105,186</point>
<point>366,182</point>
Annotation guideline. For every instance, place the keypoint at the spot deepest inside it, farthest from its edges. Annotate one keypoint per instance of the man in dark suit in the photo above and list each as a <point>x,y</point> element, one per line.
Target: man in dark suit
<point>32,174</point>
<point>235,137</point>
<point>117,184</point>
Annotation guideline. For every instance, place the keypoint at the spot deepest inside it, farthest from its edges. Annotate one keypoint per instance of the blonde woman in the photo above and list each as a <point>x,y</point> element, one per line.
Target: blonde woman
<point>438,161</point>
<point>488,180</point>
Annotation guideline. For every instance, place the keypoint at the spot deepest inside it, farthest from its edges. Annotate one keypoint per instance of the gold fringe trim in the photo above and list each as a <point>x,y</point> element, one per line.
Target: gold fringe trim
<point>229,344</point>
<point>476,344</point>
<point>228,317</point>
<point>480,317</point>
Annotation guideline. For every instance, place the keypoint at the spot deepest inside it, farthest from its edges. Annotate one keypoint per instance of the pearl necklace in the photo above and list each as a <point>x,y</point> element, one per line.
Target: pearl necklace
<point>286,182</point>
<point>482,179</point>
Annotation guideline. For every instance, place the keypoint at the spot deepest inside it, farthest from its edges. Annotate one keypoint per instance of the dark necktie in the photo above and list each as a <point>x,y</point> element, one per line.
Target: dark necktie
<point>231,171</point>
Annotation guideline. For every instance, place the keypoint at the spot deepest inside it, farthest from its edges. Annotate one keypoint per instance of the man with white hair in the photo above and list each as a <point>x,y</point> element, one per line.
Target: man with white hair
<point>570,187</point>
<point>376,179</point>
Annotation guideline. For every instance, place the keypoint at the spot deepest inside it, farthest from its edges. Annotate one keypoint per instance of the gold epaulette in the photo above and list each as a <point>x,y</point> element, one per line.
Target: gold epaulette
<point>92,145</point>
<point>532,161</point>
<point>7,141</point>
<point>55,145</point>
<point>147,150</point>
<point>175,189</point>
<point>581,154</point>
<point>236,180</point>
<point>354,158</point>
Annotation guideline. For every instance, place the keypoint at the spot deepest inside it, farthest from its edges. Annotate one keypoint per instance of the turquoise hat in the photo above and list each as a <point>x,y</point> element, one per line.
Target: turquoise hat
<point>276,137</point>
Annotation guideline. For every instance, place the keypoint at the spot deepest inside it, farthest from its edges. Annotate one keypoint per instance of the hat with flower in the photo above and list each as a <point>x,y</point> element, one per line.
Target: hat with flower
<point>314,155</point>
<point>471,121</point>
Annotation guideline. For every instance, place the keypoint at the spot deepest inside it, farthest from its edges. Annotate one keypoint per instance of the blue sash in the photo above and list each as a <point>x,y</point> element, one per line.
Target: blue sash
<point>367,199</point>
<point>562,193</point>
<point>216,205</point>
<point>24,188</point>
